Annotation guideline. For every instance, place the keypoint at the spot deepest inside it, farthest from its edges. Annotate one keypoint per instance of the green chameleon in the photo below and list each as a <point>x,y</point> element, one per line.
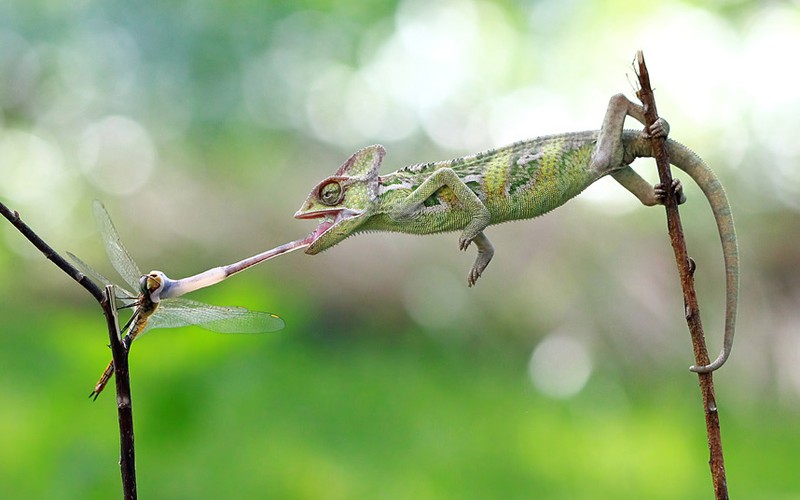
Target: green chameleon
<point>520,181</point>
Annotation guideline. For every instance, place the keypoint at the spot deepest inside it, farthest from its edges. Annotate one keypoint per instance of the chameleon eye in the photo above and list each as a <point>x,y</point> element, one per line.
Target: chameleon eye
<point>331,193</point>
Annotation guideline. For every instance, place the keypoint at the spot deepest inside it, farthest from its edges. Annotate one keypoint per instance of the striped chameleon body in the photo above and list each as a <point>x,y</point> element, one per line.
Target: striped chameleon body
<point>519,181</point>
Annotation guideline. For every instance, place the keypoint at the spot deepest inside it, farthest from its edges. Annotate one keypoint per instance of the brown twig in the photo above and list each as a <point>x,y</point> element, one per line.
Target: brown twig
<point>686,271</point>
<point>127,462</point>
<point>106,300</point>
<point>52,255</point>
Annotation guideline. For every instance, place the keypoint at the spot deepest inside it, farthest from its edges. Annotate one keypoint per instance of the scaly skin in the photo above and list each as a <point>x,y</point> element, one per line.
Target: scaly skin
<point>520,181</point>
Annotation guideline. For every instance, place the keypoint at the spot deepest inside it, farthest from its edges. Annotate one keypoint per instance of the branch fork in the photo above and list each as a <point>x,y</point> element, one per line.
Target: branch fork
<point>106,300</point>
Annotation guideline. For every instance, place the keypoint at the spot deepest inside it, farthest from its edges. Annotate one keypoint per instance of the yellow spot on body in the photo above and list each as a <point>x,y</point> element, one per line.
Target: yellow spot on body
<point>549,164</point>
<point>496,178</point>
<point>548,184</point>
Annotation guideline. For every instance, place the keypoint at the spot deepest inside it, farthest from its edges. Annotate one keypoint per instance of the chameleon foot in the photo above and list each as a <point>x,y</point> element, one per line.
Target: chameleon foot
<point>474,230</point>
<point>485,254</point>
<point>659,129</point>
<point>474,274</point>
<point>676,190</point>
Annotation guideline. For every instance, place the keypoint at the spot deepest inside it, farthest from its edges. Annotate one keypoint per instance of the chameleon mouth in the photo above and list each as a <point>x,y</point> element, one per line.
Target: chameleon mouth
<point>324,225</point>
<point>328,220</point>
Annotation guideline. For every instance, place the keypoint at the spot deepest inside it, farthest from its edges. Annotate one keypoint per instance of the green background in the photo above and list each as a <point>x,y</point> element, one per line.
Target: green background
<point>203,125</point>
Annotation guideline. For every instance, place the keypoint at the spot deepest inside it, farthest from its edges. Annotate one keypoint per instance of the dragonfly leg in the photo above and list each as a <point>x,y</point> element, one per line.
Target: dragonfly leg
<point>128,324</point>
<point>128,338</point>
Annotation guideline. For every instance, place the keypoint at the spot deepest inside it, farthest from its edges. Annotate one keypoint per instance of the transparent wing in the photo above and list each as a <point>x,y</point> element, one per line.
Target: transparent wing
<point>173,313</point>
<point>120,293</point>
<point>116,251</point>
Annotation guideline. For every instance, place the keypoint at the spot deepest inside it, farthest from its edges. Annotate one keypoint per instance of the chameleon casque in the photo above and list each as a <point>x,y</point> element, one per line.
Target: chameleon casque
<point>520,181</point>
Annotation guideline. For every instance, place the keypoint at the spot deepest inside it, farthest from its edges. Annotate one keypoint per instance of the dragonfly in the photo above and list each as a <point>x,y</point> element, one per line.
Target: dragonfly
<point>156,299</point>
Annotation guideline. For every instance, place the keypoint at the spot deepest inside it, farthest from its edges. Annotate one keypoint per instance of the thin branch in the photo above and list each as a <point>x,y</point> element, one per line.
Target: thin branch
<point>106,300</point>
<point>686,269</point>
<point>47,250</point>
<point>127,463</point>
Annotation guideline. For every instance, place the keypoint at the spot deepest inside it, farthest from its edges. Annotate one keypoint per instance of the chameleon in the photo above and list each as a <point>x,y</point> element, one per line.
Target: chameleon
<point>519,181</point>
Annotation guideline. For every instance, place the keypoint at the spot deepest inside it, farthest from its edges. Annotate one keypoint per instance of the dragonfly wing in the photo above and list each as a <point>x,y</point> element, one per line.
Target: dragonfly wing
<point>165,317</point>
<point>119,292</point>
<point>89,270</point>
<point>180,312</point>
<point>116,251</point>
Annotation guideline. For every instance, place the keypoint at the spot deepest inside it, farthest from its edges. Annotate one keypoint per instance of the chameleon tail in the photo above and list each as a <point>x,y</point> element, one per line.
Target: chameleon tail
<point>686,160</point>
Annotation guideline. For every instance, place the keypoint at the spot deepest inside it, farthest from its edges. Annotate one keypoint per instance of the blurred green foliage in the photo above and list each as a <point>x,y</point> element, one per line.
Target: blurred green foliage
<point>202,125</point>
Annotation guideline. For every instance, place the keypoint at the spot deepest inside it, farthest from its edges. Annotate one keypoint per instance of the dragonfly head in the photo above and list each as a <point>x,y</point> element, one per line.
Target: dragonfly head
<point>152,284</point>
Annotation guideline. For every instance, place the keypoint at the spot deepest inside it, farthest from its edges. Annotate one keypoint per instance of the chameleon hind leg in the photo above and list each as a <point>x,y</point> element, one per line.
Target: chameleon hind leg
<point>609,154</point>
<point>648,194</point>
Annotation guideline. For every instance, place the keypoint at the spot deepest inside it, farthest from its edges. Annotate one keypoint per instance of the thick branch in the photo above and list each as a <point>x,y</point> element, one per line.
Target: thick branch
<point>686,272</point>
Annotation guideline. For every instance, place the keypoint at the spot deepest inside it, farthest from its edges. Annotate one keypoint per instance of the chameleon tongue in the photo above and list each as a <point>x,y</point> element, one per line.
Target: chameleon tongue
<point>319,231</point>
<point>176,288</point>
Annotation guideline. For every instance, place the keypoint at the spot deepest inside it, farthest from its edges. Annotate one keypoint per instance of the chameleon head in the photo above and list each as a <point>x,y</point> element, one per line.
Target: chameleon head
<point>344,201</point>
<point>152,285</point>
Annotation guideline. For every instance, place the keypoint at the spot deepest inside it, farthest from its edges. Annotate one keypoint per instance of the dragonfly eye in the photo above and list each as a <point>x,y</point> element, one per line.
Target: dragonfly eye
<point>149,283</point>
<point>331,193</point>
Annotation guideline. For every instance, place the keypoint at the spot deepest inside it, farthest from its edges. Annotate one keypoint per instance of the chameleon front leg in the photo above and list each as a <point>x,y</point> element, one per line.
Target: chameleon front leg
<point>479,214</point>
<point>446,177</point>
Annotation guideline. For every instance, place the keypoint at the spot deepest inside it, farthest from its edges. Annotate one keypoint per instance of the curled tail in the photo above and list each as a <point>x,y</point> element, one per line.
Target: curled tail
<point>686,160</point>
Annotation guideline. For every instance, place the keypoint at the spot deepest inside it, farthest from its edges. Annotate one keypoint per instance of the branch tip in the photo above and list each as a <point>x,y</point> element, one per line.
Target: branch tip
<point>685,269</point>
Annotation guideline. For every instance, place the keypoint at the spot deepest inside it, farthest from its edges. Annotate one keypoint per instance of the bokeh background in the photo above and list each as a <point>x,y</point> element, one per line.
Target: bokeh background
<point>563,374</point>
